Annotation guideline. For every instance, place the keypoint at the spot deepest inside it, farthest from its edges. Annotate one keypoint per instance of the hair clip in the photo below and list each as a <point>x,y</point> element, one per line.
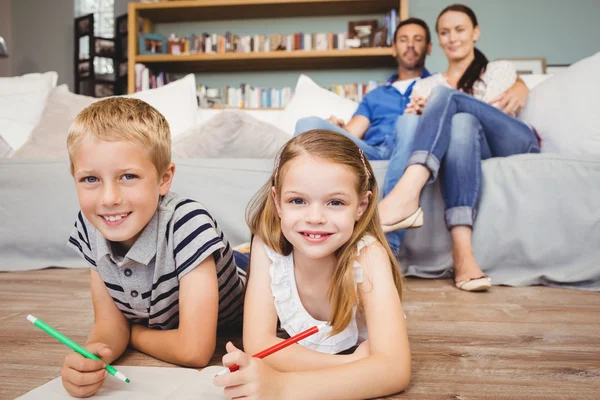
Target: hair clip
<point>362,157</point>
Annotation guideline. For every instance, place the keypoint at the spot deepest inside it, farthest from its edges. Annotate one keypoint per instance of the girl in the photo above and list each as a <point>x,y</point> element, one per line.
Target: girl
<point>458,129</point>
<point>318,254</point>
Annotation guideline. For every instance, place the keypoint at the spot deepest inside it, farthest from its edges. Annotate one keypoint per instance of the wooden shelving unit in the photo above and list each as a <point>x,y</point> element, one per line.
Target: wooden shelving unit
<point>205,10</point>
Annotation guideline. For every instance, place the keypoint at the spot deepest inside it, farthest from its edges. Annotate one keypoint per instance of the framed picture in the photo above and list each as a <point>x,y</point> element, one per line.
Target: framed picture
<point>554,69</point>
<point>83,69</point>
<point>363,31</point>
<point>151,43</point>
<point>528,66</point>
<point>380,36</point>
<point>104,90</point>
<point>105,47</point>
<point>84,25</point>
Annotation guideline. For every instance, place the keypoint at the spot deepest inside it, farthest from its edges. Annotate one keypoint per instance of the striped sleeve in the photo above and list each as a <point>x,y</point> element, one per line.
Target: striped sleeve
<point>83,240</point>
<point>195,236</point>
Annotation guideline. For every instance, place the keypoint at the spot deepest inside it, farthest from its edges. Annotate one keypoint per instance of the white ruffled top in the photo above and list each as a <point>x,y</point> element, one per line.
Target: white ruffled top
<point>293,316</point>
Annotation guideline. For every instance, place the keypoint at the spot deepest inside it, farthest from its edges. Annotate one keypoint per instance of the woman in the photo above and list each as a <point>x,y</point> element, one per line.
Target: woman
<point>457,129</point>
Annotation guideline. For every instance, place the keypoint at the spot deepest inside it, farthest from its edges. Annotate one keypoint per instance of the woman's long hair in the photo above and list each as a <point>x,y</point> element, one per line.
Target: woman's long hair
<point>477,67</point>
<point>263,219</point>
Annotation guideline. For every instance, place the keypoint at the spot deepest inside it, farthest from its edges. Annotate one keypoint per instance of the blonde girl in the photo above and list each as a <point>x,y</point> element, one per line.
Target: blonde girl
<point>319,255</point>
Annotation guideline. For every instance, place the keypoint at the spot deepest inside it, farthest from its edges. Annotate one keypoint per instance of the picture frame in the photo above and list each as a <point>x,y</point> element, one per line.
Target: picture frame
<point>152,43</point>
<point>84,25</point>
<point>104,47</point>
<point>104,89</point>
<point>83,68</point>
<point>363,30</point>
<point>528,66</point>
<point>380,37</point>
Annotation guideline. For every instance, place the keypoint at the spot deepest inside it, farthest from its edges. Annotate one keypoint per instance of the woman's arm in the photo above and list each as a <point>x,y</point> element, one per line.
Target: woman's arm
<point>385,371</point>
<point>260,322</point>
<point>193,343</point>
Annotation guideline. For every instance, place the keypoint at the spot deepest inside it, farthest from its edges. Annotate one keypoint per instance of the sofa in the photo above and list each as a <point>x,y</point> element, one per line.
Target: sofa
<point>538,221</point>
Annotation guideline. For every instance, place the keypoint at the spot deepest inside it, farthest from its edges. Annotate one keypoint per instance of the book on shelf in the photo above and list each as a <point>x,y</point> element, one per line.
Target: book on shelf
<point>247,96</point>
<point>146,79</point>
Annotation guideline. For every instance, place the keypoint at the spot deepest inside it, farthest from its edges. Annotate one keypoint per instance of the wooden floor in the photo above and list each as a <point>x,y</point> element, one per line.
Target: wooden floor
<point>509,343</point>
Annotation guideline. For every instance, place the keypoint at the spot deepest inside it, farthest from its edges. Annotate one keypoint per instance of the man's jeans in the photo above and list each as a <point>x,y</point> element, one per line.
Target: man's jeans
<point>455,133</point>
<point>398,155</point>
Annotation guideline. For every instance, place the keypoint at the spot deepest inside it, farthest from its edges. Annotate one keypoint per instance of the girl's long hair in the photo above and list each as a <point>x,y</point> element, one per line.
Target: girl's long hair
<point>474,71</point>
<point>263,219</point>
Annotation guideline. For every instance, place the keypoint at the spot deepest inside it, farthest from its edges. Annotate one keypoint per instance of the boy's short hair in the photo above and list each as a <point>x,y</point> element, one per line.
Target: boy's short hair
<point>124,119</point>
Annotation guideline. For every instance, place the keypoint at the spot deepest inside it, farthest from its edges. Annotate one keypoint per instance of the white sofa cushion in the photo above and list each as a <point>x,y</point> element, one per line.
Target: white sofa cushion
<point>564,110</point>
<point>22,101</point>
<point>311,100</point>
<point>230,134</point>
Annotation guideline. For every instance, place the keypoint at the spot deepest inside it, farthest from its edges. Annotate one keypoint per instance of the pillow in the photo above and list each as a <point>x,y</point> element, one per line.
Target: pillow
<point>176,101</point>
<point>49,137</point>
<point>532,80</point>
<point>230,134</point>
<point>22,101</point>
<point>564,110</point>
<point>311,100</point>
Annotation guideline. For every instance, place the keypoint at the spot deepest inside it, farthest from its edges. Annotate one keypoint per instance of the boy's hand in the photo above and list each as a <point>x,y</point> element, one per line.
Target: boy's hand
<point>254,380</point>
<point>81,376</point>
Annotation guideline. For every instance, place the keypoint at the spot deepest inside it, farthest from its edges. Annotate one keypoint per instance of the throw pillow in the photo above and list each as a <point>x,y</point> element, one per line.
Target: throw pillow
<point>564,110</point>
<point>48,139</point>
<point>22,101</point>
<point>230,134</point>
<point>311,100</point>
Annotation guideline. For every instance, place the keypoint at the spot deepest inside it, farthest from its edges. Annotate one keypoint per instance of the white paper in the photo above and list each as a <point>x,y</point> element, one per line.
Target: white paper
<point>146,383</point>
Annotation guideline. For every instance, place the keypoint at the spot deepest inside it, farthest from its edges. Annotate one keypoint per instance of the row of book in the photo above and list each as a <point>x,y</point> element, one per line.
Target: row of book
<point>247,96</point>
<point>214,43</point>
<point>146,79</point>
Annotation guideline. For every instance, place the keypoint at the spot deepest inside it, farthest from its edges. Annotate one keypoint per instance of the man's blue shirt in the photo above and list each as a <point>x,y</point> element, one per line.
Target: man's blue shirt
<point>383,106</point>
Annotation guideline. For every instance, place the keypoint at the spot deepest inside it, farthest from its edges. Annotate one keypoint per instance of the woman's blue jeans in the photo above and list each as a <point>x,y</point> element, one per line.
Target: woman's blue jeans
<point>455,133</point>
<point>406,126</point>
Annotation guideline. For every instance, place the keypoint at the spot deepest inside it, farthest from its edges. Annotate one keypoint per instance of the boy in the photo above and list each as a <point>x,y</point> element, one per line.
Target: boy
<point>163,275</point>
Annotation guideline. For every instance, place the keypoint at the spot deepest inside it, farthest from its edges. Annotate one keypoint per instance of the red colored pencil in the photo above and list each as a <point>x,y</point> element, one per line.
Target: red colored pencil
<point>279,346</point>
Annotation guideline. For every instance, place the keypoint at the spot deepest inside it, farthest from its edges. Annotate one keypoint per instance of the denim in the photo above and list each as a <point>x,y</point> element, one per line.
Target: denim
<point>398,154</point>
<point>455,133</point>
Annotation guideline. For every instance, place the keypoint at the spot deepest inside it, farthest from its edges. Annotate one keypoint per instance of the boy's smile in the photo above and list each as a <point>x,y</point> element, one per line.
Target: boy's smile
<point>118,187</point>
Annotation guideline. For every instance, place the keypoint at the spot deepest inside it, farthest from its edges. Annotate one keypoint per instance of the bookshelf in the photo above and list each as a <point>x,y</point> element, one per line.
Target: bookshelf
<point>206,10</point>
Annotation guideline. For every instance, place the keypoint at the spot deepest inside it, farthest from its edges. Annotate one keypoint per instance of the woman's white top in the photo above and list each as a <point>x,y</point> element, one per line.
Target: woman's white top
<point>496,79</point>
<point>293,316</point>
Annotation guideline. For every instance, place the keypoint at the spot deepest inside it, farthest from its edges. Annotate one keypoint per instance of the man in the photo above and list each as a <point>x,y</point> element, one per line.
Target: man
<point>373,126</point>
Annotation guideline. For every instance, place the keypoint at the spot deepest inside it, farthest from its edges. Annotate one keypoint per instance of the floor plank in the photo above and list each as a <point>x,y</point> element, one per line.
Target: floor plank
<point>510,343</point>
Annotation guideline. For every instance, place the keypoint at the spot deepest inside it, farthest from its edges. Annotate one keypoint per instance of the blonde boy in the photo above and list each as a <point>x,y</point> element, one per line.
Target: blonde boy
<point>163,275</point>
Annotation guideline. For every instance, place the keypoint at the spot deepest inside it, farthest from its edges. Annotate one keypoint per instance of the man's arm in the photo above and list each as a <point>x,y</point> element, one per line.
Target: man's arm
<point>357,126</point>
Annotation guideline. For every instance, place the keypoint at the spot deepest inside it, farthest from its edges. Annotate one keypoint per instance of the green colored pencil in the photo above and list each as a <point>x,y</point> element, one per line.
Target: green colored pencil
<point>74,346</point>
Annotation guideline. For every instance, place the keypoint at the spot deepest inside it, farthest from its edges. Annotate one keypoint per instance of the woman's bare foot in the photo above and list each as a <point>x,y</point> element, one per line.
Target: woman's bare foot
<point>465,268</point>
<point>403,200</point>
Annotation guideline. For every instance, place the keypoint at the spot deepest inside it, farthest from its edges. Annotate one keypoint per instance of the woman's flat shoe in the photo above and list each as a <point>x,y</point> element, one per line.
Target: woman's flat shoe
<point>475,284</point>
<point>415,220</point>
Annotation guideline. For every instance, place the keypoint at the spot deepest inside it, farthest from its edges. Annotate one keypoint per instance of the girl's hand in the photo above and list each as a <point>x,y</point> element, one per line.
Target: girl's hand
<point>81,376</point>
<point>254,380</point>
